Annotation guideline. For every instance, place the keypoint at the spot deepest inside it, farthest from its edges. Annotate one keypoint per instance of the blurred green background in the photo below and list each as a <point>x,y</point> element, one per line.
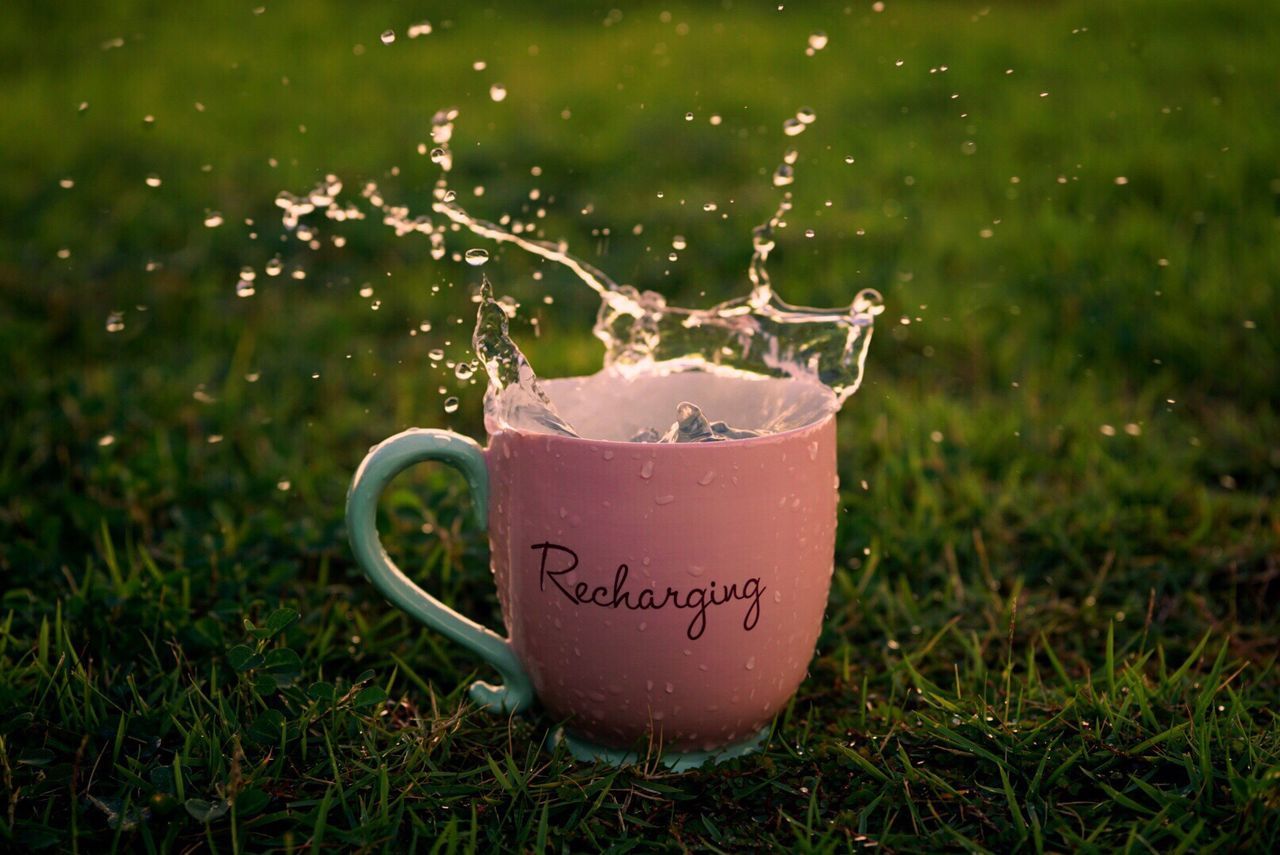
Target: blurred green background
<point>1069,415</point>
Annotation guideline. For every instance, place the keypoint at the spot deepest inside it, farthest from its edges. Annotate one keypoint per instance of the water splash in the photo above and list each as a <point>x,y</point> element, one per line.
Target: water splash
<point>753,337</point>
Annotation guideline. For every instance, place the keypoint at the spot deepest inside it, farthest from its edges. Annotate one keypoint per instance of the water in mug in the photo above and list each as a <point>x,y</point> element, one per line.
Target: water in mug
<point>745,367</point>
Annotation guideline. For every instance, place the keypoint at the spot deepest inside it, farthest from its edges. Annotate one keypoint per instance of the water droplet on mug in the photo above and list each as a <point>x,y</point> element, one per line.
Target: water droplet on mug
<point>707,478</point>
<point>388,36</point>
<point>451,404</point>
<point>646,471</point>
<point>751,663</point>
<point>669,688</point>
<point>477,257</point>
<point>664,500</point>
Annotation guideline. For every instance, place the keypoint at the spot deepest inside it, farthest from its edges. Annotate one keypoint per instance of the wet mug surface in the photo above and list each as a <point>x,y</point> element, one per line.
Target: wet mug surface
<point>666,594</point>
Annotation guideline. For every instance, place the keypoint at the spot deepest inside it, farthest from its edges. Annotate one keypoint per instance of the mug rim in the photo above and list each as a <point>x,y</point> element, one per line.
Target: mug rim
<point>672,446</point>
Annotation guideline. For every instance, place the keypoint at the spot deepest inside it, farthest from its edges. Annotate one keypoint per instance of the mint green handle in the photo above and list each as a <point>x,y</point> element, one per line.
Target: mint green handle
<point>385,461</point>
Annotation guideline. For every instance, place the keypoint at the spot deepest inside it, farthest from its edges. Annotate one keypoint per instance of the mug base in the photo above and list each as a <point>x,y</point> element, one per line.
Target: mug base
<point>677,761</point>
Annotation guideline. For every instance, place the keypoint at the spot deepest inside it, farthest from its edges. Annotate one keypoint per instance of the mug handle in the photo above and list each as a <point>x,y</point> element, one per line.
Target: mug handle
<point>386,460</point>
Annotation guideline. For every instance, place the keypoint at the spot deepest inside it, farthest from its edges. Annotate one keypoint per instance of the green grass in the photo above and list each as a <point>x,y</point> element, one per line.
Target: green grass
<point>1053,623</point>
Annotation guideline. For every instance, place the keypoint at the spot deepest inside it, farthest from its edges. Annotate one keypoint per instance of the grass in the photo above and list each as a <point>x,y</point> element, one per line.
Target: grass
<point>1053,622</point>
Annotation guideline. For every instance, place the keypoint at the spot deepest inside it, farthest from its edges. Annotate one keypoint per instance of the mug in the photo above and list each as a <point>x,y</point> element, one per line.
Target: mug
<point>664,595</point>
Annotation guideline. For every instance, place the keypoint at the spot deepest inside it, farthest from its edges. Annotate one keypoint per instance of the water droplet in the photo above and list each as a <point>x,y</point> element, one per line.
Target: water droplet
<point>664,500</point>
<point>762,239</point>
<point>273,267</point>
<point>423,28</point>
<point>751,663</point>
<point>707,478</point>
<point>792,127</point>
<point>115,322</point>
<point>646,471</point>
<point>817,41</point>
<point>669,688</point>
<point>442,157</point>
<point>848,158</point>
<point>451,404</point>
<point>498,92</point>
<point>809,233</point>
<point>153,180</point>
<point>688,117</point>
<point>106,440</point>
<point>968,147</point>
<point>464,370</point>
<point>476,257</point>
<point>212,219</point>
<point>678,242</point>
<point>696,570</point>
<point>388,36</point>
<point>671,256</point>
<point>709,206</point>
<point>806,116</point>
<point>244,288</point>
<point>783,175</point>
<point>67,183</point>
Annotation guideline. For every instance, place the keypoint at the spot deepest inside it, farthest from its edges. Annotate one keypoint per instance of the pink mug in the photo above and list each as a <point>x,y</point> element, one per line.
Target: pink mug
<point>655,595</point>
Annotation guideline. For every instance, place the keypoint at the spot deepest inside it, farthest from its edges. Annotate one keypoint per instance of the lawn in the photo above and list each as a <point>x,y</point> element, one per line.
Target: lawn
<point>1053,622</point>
